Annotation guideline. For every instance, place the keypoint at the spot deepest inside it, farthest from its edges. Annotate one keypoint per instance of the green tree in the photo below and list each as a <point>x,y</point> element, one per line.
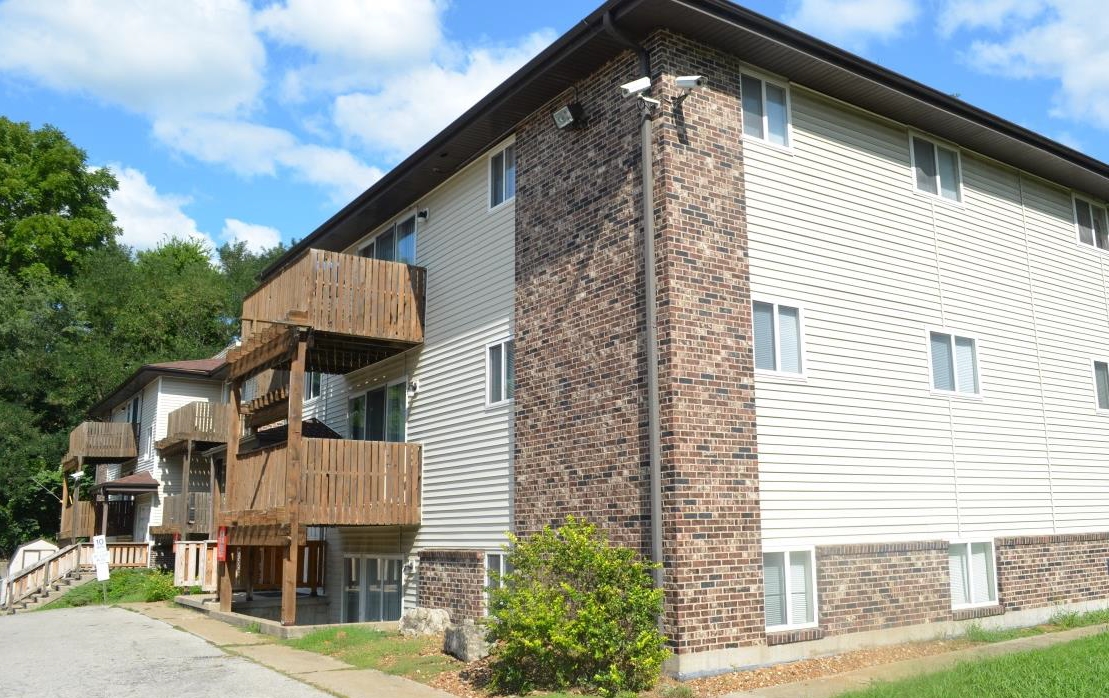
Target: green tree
<point>53,207</point>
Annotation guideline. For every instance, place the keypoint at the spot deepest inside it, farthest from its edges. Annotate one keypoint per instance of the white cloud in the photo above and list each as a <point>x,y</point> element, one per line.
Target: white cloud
<point>853,22</point>
<point>354,42</point>
<point>159,56</point>
<point>414,105</point>
<point>257,237</point>
<point>956,15</point>
<point>1068,43</point>
<point>251,149</point>
<point>147,217</point>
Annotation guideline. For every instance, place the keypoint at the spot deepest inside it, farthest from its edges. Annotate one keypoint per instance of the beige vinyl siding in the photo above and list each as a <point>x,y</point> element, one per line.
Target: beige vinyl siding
<point>469,252</point>
<point>862,448</point>
<point>176,393</point>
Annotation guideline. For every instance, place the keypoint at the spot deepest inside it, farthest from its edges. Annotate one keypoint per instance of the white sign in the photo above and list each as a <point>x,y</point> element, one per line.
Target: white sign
<point>102,574</point>
<point>100,552</point>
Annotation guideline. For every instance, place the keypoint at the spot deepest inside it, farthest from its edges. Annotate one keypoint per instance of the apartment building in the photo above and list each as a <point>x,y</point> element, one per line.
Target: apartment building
<point>856,398</point>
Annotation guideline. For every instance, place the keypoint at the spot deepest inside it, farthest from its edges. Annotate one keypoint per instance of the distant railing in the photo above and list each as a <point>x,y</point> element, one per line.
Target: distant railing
<point>343,482</point>
<point>344,294</point>
<point>198,421</point>
<point>102,440</point>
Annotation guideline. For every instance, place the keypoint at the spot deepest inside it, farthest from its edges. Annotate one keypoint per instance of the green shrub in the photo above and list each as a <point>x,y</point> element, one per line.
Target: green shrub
<point>575,612</point>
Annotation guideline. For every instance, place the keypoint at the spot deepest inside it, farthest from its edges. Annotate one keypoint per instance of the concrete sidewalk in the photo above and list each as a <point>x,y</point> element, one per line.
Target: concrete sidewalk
<point>308,667</point>
<point>837,684</point>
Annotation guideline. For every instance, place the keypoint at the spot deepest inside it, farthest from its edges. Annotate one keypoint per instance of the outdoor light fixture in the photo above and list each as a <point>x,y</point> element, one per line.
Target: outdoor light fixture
<point>422,215</point>
<point>570,115</point>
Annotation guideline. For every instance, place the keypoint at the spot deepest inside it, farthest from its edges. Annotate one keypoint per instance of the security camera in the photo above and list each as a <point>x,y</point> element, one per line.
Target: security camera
<point>636,87</point>
<point>688,82</point>
<point>648,103</point>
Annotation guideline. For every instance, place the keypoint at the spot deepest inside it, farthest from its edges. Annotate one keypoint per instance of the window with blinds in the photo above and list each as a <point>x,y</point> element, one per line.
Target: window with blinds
<point>973,581</point>
<point>777,338</point>
<point>1101,384</point>
<point>789,583</point>
<point>954,363</point>
<point>936,169</point>
<point>765,110</point>
<point>1091,222</point>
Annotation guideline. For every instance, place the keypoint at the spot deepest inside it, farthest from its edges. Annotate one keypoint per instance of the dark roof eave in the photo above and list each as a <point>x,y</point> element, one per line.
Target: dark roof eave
<point>139,379</point>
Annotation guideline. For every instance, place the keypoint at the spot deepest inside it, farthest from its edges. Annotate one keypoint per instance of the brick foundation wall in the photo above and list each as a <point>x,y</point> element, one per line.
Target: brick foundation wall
<point>454,580</point>
<point>580,402</point>
<point>882,585</point>
<point>1037,571</point>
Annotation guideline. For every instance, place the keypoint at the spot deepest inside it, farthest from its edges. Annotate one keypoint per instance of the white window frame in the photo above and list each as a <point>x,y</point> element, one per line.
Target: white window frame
<point>499,150</point>
<point>386,384</point>
<point>957,393</point>
<point>789,550</point>
<point>308,383</point>
<point>1093,374</point>
<point>363,582</point>
<point>1094,207</point>
<point>488,375</point>
<point>936,144</point>
<point>777,82</point>
<point>392,226</point>
<point>967,542</point>
<point>501,569</point>
<point>778,372</point>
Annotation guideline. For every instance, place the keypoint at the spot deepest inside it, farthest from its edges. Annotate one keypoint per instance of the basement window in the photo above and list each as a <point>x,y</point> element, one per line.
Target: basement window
<point>789,579</point>
<point>496,566</point>
<point>973,581</point>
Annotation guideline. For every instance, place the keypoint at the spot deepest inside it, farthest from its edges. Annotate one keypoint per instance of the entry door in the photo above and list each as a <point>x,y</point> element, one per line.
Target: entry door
<point>373,589</point>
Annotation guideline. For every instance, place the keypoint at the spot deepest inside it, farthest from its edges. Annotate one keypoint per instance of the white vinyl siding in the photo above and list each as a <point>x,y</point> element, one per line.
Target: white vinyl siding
<point>862,450</point>
<point>936,169</point>
<point>973,579</point>
<point>1091,223</point>
<point>765,110</point>
<point>790,589</point>
<point>954,364</point>
<point>778,344</point>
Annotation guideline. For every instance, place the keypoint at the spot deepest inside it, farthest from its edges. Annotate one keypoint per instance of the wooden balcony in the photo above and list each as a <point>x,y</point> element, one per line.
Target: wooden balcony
<point>93,442</point>
<point>186,513</point>
<point>341,294</point>
<point>196,421</point>
<point>78,521</point>
<point>343,483</point>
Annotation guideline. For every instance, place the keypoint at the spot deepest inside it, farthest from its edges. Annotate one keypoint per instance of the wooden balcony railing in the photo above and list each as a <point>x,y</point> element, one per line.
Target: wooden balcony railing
<point>342,294</point>
<point>343,482</point>
<point>191,513</point>
<point>196,421</point>
<point>195,565</point>
<point>102,441</point>
<point>78,521</point>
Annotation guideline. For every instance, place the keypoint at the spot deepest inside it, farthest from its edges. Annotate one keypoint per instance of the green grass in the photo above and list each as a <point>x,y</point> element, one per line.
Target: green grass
<point>977,633</point>
<point>390,652</point>
<point>124,586</point>
<point>1075,669</point>
<point>1069,620</point>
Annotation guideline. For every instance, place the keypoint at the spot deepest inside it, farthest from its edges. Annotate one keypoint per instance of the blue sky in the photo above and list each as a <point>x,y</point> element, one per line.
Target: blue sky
<point>238,120</point>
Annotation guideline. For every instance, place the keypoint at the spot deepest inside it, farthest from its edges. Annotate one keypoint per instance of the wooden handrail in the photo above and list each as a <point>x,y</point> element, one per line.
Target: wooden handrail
<point>102,440</point>
<point>39,576</point>
<point>197,420</point>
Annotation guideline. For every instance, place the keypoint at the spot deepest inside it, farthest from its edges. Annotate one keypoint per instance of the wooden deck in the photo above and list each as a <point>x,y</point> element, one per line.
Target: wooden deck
<point>101,441</point>
<point>341,294</point>
<point>78,521</point>
<point>196,421</point>
<point>343,483</point>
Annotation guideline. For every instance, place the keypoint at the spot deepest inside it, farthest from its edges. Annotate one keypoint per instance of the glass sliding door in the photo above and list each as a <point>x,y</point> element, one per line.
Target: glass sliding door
<point>394,412</point>
<point>380,414</point>
<point>352,589</point>
<point>357,418</point>
<point>373,589</point>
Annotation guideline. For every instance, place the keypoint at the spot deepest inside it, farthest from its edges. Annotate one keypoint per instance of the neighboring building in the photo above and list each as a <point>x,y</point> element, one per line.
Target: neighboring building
<point>882,333</point>
<point>138,445</point>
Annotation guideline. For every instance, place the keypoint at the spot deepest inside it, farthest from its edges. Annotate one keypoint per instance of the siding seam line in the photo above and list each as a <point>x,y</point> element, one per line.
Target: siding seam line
<point>928,348</point>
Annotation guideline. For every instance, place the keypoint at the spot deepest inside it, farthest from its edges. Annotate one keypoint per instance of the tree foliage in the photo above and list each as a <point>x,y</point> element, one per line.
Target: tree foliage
<point>81,312</point>
<point>576,612</point>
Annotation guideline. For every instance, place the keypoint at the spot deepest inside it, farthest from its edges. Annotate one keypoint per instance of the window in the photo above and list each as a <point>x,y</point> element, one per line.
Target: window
<point>1090,220</point>
<point>380,414</point>
<point>502,176</point>
<point>134,411</point>
<point>500,372</point>
<point>1101,384</point>
<point>777,338</point>
<point>313,382</point>
<point>936,169</point>
<point>496,566</point>
<point>972,574</point>
<point>765,110</point>
<point>789,588</point>
<point>954,364</point>
<point>397,243</point>
<point>373,589</point>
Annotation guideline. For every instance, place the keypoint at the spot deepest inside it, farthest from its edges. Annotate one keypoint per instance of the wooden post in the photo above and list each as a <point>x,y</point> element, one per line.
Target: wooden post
<point>65,501</point>
<point>294,463</point>
<point>248,570</point>
<point>76,499</point>
<point>234,427</point>
<point>104,514</point>
<point>186,473</point>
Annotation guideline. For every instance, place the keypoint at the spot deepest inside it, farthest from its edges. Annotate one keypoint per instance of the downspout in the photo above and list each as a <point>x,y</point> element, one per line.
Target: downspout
<point>650,297</point>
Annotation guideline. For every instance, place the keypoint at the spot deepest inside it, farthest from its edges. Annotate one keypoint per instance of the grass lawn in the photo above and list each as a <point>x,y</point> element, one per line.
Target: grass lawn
<point>124,586</point>
<point>1075,670</point>
<point>419,659</point>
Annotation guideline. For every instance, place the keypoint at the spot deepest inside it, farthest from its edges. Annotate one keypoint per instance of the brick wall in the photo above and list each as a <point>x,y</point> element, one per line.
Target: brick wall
<point>454,580</point>
<point>1036,571</point>
<point>581,443</point>
<point>882,585</point>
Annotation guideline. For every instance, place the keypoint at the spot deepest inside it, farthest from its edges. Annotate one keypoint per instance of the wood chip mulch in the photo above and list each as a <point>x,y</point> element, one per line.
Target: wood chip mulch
<point>470,681</point>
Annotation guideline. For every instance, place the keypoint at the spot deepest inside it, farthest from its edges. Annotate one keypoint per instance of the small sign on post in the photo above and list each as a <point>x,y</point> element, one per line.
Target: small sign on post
<point>100,557</point>
<point>221,545</point>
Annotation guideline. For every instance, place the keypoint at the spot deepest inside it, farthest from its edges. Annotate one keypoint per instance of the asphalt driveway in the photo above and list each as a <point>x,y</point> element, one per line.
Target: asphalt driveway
<point>112,652</point>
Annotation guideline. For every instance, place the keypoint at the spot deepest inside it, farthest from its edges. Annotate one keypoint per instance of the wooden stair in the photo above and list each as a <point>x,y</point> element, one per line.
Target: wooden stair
<point>53,591</point>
